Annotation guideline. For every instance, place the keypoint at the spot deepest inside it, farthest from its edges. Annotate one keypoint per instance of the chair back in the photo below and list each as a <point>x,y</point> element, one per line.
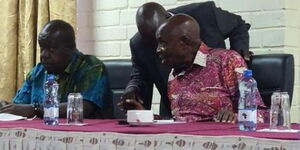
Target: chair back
<point>273,72</point>
<point>119,75</point>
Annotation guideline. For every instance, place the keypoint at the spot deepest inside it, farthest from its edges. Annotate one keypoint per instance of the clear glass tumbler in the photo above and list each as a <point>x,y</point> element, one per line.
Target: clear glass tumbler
<point>275,110</point>
<point>75,109</point>
<point>285,106</point>
<point>280,111</point>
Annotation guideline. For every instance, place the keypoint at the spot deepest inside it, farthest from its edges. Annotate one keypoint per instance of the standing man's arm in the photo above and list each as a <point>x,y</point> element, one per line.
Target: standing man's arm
<point>136,88</point>
<point>234,27</point>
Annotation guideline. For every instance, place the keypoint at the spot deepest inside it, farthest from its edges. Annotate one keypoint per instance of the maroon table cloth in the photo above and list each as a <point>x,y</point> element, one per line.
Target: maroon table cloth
<point>198,128</point>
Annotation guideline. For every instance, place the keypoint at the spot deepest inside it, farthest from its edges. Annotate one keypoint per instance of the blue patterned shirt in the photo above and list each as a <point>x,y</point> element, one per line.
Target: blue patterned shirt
<point>85,74</point>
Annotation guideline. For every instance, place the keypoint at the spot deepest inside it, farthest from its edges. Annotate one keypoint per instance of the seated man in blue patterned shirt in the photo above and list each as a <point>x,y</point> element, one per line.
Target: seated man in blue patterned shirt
<point>75,73</point>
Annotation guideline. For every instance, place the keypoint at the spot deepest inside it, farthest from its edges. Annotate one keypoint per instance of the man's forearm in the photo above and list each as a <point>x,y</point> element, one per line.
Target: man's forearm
<point>26,110</point>
<point>62,111</point>
<point>136,84</point>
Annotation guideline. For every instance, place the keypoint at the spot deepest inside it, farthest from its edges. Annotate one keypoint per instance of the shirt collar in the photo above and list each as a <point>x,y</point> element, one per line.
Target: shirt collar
<point>200,59</point>
<point>72,65</point>
<point>170,13</point>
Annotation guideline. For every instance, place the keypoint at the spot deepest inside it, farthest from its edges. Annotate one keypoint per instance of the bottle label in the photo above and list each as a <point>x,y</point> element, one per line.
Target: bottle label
<point>51,112</point>
<point>247,115</point>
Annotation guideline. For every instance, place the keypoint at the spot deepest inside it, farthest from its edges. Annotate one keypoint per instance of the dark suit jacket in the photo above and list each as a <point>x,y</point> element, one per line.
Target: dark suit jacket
<point>216,25</point>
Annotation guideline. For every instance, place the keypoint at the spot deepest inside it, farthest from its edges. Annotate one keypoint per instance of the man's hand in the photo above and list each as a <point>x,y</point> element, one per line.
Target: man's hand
<point>247,55</point>
<point>3,103</point>
<point>225,115</point>
<point>130,100</point>
<point>25,110</point>
<point>133,105</point>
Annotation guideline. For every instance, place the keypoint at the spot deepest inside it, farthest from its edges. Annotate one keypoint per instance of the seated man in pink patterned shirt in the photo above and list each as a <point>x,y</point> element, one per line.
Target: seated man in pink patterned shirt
<point>203,83</point>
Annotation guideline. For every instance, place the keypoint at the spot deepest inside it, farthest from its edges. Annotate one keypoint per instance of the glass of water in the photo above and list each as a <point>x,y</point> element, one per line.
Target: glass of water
<point>285,106</point>
<point>75,109</point>
<point>275,110</point>
<point>280,111</point>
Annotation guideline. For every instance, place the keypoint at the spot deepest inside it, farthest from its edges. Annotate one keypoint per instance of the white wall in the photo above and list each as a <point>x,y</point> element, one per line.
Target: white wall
<point>105,27</point>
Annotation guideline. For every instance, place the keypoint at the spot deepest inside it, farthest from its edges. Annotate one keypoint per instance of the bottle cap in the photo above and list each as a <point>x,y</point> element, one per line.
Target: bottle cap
<point>247,73</point>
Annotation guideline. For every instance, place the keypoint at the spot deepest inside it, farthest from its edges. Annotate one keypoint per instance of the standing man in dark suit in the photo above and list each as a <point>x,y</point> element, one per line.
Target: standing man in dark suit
<point>216,26</point>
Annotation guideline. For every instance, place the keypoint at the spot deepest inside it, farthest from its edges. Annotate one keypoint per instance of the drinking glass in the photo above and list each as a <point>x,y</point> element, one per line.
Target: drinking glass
<point>280,111</point>
<point>75,109</point>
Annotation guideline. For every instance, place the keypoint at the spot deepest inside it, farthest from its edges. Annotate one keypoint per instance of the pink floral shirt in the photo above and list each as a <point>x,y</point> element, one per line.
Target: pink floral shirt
<point>210,84</point>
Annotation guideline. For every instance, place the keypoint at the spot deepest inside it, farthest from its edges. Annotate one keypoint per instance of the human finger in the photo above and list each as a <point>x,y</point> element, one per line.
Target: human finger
<point>219,116</point>
<point>139,100</point>
<point>246,55</point>
<point>157,117</point>
<point>234,119</point>
<point>225,116</point>
<point>134,104</point>
<point>121,105</point>
<point>6,109</point>
<point>3,103</point>
<point>230,117</point>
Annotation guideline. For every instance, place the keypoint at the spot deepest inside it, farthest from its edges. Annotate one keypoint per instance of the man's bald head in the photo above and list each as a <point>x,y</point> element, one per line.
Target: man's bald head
<point>182,26</point>
<point>149,17</point>
<point>178,41</point>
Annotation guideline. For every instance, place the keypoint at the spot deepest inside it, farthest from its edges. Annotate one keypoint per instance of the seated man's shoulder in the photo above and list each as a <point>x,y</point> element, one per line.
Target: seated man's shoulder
<point>36,71</point>
<point>90,65</point>
<point>222,51</point>
<point>226,54</point>
<point>92,61</point>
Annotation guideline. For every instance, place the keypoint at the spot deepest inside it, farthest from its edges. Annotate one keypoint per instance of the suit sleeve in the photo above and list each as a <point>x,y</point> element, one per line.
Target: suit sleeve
<point>233,27</point>
<point>140,78</point>
<point>136,80</point>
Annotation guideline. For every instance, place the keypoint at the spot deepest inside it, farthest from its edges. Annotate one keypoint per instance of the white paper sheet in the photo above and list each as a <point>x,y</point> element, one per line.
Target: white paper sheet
<point>78,124</point>
<point>10,117</point>
<point>280,131</point>
<point>167,122</point>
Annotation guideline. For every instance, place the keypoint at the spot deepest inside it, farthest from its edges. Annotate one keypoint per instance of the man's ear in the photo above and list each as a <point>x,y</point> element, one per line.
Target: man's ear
<point>186,40</point>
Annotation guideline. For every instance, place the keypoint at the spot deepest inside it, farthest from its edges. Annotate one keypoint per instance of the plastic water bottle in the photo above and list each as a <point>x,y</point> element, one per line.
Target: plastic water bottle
<point>51,103</point>
<point>247,114</point>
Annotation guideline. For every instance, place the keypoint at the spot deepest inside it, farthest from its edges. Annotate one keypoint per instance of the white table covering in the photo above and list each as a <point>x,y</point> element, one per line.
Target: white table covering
<point>37,139</point>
